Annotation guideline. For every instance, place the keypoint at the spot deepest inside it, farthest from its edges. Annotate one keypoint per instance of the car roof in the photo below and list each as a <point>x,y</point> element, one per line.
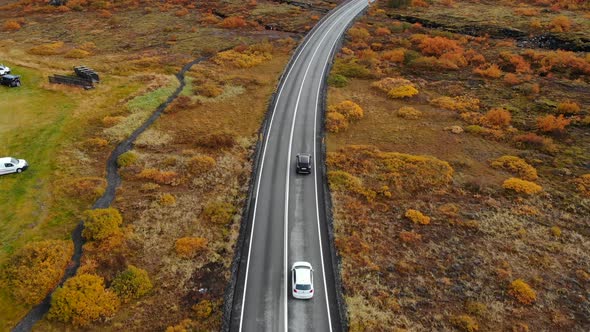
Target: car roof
<point>6,159</point>
<point>304,156</point>
<point>302,274</point>
<point>11,76</point>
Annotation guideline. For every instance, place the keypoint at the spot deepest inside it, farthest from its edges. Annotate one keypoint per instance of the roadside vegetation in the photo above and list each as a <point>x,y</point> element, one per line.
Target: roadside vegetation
<point>159,257</point>
<point>460,195</point>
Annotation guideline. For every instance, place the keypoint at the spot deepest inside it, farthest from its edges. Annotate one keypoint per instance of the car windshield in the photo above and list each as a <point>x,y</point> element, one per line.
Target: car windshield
<point>14,161</point>
<point>304,160</point>
<point>303,287</point>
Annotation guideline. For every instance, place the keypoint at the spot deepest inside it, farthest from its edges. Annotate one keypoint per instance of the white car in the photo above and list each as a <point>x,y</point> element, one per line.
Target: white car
<point>302,274</point>
<point>4,70</point>
<point>10,165</point>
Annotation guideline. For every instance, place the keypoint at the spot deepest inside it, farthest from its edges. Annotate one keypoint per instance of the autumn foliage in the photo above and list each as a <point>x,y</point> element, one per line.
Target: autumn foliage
<point>417,217</point>
<point>188,247</point>
<point>37,268</point>
<point>553,124</point>
<point>522,186</point>
<point>83,299</point>
<point>522,292</point>
<point>158,176</point>
<point>219,213</point>
<point>517,166</point>
<point>396,87</point>
<point>100,224</point>
<point>131,283</point>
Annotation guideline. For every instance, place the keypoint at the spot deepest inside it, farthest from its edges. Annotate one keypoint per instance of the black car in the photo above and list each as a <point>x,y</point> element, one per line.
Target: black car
<point>10,80</point>
<point>303,163</point>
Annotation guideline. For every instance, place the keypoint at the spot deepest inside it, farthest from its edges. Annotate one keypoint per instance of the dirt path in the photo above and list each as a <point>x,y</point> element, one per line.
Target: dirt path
<point>113,182</point>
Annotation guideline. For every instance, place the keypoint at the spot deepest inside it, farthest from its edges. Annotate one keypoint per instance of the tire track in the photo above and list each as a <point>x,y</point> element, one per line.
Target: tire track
<point>113,182</point>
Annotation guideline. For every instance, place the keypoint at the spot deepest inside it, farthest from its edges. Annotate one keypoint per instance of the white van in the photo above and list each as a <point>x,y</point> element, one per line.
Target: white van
<point>10,165</point>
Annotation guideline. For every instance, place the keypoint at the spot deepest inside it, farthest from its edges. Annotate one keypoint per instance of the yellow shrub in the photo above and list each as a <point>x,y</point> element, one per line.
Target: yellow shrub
<point>336,122</point>
<point>101,223</point>
<point>81,300</point>
<point>109,121</point>
<point>561,23</point>
<point>219,213</point>
<point>460,103</point>
<point>77,54</point>
<point>465,323</point>
<point>167,200</point>
<point>344,181</point>
<point>516,165</point>
<point>556,231</point>
<point>188,247</point>
<point>250,57</point>
<point>96,143</point>
<point>349,109</point>
<point>415,173</point>
<point>37,268</point>
<point>403,91</point>
<point>131,283</point>
<point>417,217</point>
<point>127,159</point>
<point>568,107</point>
<point>522,186</point>
<point>47,49</point>
<point>583,184</point>
<point>408,112</point>
<point>209,90</point>
<point>201,164</point>
<point>203,309</point>
<point>522,292</point>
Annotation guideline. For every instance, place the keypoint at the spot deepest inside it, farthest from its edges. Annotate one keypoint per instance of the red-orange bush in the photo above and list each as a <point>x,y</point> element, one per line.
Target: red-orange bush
<point>561,23</point>
<point>438,46</point>
<point>552,124</point>
<point>158,176</point>
<point>11,25</point>
<point>497,117</point>
<point>233,22</point>
<point>491,71</point>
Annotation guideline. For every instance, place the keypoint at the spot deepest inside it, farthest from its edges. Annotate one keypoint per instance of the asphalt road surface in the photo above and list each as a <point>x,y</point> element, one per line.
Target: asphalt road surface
<point>288,223</point>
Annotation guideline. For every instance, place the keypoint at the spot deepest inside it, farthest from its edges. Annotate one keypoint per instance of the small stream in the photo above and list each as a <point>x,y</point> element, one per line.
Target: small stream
<point>113,182</point>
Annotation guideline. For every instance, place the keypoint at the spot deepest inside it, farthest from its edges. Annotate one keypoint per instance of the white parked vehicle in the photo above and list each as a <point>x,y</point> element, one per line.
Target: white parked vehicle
<point>11,165</point>
<point>4,70</point>
<point>302,275</point>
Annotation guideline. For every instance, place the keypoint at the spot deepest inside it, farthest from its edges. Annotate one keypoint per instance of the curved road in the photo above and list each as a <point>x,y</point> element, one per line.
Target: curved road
<point>288,222</point>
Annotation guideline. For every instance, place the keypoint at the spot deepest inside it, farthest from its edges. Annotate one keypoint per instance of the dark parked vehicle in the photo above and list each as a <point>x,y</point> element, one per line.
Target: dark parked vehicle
<point>303,163</point>
<point>10,80</point>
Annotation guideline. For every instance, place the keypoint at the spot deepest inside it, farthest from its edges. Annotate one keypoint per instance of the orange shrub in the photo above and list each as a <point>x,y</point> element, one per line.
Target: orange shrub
<point>181,12</point>
<point>535,141</point>
<point>438,46</point>
<point>167,199</point>
<point>491,71</point>
<point>109,121</point>
<point>526,11</point>
<point>419,3</point>
<point>209,90</point>
<point>552,124</point>
<point>336,122</point>
<point>200,164</point>
<point>516,165</point>
<point>561,24</point>
<point>188,247</point>
<point>233,22</point>
<point>382,31</point>
<point>474,58</point>
<point>105,13</point>
<point>511,79</point>
<point>568,107</point>
<point>497,117</point>
<point>396,56</point>
<point>522,292</point>
<point>409,237</point>
<point>157,176</point>
<point>517,62</point>
<point>35,269</point>
<point>209,19</point>
<point>583,184</point>
<point>83,299</point>
<point>351,110</point>
<point>522,186</point>
<point>11,25</point>
<point>417,217</point>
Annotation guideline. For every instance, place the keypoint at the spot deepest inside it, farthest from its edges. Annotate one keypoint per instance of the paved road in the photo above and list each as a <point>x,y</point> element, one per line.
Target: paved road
<point>288,223</point>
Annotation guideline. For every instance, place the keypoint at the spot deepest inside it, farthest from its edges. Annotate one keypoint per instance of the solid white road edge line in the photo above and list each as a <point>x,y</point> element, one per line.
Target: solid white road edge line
<point>288,174</point>
<point>316,185</point>
<point>262,167</point>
